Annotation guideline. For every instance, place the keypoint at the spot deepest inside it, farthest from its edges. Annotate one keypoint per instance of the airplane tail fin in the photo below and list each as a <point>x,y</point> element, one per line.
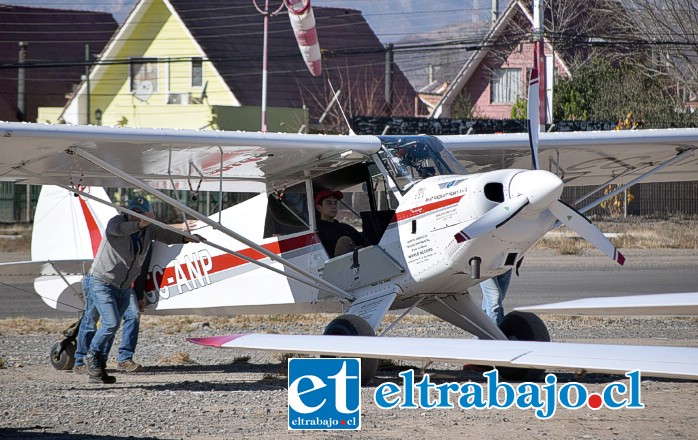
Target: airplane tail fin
<point>67,228</point>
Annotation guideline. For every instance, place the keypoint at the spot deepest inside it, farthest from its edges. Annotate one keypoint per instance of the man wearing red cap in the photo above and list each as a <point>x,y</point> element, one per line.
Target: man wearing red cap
<point>337,238</point>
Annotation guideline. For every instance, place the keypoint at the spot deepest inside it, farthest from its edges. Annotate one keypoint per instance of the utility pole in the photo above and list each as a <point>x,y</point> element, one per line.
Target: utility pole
<point>87,77</point>
<point>539,60</point>
<point>22,83</point>
<point>389,78</point>
<point>266,15</point>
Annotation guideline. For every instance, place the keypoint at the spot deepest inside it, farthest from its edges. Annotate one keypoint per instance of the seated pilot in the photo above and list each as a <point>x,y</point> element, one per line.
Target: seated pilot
<point>337,238</point>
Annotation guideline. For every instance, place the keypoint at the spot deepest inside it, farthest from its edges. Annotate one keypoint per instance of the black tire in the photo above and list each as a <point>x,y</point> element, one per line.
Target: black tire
<point>523,326</point>
<point>352,325</point>
<point>63,358</point>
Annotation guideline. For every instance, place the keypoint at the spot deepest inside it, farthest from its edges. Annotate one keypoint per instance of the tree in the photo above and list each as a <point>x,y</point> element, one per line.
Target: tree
<point>605,91</point>
<point>362,95</point>
<point>463,107</point>
<point>666,32</point>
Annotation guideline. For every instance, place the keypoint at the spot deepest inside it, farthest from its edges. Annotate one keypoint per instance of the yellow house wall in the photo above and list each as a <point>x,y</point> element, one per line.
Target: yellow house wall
<point>163,37</point>
<point>49,115</point>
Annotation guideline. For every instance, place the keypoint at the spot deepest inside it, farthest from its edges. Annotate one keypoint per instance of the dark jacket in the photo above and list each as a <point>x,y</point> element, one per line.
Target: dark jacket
<point>331,232</point>
<point>124,248</point>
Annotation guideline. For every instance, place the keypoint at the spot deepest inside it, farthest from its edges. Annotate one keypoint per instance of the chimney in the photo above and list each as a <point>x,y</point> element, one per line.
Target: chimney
<point>495,11</point>
<point>21,83</point>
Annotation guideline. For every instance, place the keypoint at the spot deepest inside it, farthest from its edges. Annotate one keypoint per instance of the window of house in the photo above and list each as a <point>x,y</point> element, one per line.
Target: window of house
<point>144,77</point>
<point>197,72</point>
<point>506,86</point>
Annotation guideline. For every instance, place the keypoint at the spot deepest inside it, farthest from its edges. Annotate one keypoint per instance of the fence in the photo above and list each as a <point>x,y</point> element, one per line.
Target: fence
<point>648,199</point>
<point>15,209</point>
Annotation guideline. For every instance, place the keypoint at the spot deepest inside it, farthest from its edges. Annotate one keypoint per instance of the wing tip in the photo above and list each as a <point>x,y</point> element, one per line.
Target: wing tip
<point>214,341</point>
<point>620,258</point>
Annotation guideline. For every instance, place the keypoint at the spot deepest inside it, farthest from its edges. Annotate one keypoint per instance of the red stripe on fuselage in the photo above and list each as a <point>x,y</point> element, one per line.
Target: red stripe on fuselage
<point>413,212</point>
<point>226,261</point>
<point>92,228</point>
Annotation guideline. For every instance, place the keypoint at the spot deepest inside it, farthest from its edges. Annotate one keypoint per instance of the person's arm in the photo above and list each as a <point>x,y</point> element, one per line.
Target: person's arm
<point>170,237</point>
<point>120,227</point>
<point>165,235</point>
<point>355,235</point>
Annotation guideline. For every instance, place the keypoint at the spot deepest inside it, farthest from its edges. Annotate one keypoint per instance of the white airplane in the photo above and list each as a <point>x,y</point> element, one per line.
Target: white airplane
<point>433,232</point>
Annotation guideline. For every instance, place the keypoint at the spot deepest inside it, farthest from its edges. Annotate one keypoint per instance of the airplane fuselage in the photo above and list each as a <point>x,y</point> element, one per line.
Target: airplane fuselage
<point>419,239</point>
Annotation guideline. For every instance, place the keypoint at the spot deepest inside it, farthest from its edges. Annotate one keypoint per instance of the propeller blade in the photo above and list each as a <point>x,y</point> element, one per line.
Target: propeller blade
<point>493,218</point>
<point>533,110</point>
<point>582,226</point>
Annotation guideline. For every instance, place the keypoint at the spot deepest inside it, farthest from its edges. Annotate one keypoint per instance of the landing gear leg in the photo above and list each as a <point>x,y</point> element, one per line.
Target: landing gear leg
<point>352,325</point>
<point>63,353</point>
<point>523,326</point>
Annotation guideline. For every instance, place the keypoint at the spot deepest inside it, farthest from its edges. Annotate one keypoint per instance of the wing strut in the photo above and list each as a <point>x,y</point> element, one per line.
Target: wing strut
<point>60,274</point>
<point>317,281</point>
<point>671,161</point>
<point>168,227</point>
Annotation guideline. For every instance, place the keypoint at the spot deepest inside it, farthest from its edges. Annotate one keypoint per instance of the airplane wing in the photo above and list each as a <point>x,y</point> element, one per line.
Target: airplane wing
<point>189,158</point>
<point>675,362</point>
<point>586,158</point>
<point>28,271</point>
<point>665,304</point>
<point>248,161</point>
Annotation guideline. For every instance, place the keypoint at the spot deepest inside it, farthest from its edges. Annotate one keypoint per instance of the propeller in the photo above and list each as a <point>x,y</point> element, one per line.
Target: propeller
<point>533,110</point>
<point>539,190</point>
<point>576,221</point>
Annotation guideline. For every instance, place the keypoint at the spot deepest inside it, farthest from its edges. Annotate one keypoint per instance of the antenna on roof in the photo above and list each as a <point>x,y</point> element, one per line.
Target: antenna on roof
<point>336,96</point>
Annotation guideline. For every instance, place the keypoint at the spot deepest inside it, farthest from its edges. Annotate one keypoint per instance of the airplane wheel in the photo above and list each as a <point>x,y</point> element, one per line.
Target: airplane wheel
<point>523,326</point>
<point>352,325</point>
<point>63,359</point>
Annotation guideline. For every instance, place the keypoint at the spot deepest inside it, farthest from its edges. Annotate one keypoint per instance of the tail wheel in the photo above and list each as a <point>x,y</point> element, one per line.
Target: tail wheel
<point>352,325</point>
<point>63,354</point>
<point>523,326</point>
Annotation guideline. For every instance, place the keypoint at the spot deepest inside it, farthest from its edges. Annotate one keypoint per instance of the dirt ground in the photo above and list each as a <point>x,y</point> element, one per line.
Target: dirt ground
<point>189,391</point>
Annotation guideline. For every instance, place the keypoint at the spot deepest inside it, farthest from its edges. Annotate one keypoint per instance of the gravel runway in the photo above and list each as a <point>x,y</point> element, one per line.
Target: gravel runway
<point>189,391</point>
<point>195,392</point>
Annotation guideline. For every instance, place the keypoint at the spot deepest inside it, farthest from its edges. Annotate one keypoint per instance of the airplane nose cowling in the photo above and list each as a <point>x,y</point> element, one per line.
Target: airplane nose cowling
<point>542,188</point>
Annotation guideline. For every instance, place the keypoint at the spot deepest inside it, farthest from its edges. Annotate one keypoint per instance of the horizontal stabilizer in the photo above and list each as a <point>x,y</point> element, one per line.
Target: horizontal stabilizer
<point>665,304</point>
<point>28,271</point>
<point>677,362</point>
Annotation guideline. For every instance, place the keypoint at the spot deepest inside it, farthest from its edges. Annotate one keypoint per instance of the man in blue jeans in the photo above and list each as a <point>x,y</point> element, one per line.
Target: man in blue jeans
<point>493,292</point>
<point>129,332</point>
<point>132,322</point>
<point>129,336</point>
<point>108,286</point>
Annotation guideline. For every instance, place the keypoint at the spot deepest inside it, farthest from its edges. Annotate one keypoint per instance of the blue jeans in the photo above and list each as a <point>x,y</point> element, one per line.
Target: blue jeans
<point>88,323</point>
<point>111,302</point>
<point>129,332</point>
<point>493,292</point>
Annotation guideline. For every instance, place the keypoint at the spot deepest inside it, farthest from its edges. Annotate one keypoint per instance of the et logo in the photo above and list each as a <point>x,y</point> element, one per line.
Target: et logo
<point>324,393</point>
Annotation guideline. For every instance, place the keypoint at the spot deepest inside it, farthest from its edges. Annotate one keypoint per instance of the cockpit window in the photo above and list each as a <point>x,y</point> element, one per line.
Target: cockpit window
<point>410,159</point>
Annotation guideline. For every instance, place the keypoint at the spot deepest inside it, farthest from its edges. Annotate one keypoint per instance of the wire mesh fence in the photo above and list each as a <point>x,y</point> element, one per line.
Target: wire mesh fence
<point>18,202</point>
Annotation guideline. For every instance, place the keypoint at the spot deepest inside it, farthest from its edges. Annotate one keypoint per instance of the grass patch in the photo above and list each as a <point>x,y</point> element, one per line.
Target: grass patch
<point>15,239</point>
<point>25,326</point>
<point>179,358</point>
<point>241,359</point>
<point>633,233</point>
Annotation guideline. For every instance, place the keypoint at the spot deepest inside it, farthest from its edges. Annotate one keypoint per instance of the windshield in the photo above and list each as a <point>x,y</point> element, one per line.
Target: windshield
<point>410,159</point>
